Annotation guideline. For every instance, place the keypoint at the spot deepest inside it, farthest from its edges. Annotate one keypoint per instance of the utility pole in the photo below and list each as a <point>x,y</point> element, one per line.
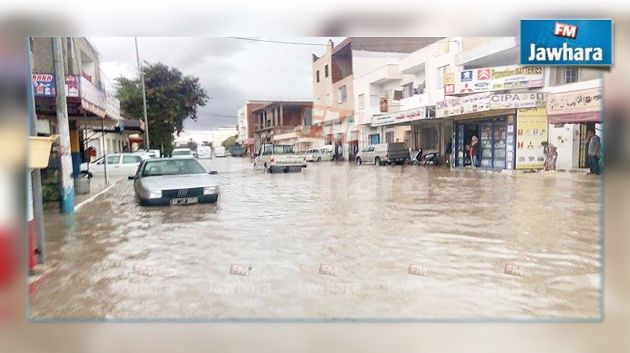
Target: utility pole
<point>36,176</point>
<point>144,98</point>
<point>65,170</point>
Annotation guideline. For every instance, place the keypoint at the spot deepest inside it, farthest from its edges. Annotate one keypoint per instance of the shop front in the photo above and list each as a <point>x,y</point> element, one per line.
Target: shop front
<point>570,115</point>
<point>495,135</point>
<point>396,127</point>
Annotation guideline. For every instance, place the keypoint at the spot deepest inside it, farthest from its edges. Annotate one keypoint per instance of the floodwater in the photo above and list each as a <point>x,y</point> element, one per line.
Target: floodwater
<point>336,241</point>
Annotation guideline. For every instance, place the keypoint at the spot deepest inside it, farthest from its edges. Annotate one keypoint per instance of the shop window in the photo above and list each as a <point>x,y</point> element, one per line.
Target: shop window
<point>570,75</point>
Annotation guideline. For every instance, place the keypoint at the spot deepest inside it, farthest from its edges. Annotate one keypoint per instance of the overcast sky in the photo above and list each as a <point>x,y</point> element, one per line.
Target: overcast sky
<point>231,70</point>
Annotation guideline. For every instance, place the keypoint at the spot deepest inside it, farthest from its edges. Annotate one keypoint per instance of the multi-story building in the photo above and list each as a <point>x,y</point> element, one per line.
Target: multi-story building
<point>93,112</point>
<point>246,125</point>
<point>333,84</point>
<point>396,102</point>
<point>287,122</point>
<point>438,97</point>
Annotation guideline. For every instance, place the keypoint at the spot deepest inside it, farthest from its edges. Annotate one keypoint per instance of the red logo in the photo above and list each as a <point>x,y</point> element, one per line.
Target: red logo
<point>484,74</point>
<point>565,30</point>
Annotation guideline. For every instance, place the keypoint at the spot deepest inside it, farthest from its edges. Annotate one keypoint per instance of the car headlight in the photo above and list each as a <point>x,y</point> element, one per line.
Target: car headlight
<point>209,190</point>
<point>152,194</point>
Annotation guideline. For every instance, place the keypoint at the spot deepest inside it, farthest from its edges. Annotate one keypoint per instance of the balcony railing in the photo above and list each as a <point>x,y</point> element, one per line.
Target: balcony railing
<point>92,99</point>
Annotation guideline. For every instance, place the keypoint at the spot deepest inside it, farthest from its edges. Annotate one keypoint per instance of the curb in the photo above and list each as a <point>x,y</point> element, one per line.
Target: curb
<point>90,199</point>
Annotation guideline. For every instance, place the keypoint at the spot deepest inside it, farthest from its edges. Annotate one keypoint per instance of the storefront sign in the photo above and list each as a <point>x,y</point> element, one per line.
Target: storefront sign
<point>494,79</point>
<point>44,85</point>
<point>464,105</point>
<point>584,101</point>
<point>517,100</point>
<point>531,130</point>
<point>399,117</point>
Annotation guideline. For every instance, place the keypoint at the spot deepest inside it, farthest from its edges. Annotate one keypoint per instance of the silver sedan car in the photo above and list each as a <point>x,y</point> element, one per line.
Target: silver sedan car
<point>174,181</point>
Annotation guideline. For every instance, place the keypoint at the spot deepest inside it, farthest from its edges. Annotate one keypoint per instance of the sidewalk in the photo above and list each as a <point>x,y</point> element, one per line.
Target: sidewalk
<point>97,187</point>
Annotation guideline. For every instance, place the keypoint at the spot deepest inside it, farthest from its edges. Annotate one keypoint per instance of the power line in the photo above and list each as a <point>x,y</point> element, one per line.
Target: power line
<point>276,41</point>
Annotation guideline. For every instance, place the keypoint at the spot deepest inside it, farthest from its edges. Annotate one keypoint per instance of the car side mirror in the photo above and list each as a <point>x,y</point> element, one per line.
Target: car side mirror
<point>213,172</point>
<point>132,177</point>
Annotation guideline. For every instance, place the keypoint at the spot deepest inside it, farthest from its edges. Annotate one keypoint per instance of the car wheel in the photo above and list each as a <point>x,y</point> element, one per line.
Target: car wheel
<point>359,161</point>
<point>377,161</point>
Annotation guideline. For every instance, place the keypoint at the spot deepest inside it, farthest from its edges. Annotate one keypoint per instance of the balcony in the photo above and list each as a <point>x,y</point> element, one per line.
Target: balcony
<point>84,98</point>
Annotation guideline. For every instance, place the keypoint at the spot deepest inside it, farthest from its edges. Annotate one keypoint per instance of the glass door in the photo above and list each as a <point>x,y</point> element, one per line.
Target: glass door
<point>500,135</point>
<point>486,157</point>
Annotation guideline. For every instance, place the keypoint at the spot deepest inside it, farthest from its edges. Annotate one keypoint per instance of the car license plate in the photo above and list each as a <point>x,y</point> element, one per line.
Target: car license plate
<point>184,201</point>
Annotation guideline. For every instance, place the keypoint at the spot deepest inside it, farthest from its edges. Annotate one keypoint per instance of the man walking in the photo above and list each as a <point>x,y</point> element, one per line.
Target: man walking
<point>594,147</point>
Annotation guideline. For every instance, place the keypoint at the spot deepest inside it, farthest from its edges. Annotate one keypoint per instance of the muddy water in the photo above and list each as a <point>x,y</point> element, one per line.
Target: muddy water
<point>335,241</point>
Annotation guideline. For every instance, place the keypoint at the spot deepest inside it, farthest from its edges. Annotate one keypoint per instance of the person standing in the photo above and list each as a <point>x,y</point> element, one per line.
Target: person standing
<point>449,151</point>
<point>474,151</point>
<point>551,155</point>
<point>594,149</point>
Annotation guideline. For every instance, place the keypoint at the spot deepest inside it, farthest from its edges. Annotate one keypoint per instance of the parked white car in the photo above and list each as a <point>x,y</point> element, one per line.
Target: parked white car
<point>326,153</point>
<point>182,153</point>
<point>117,163</point>
<point>278,158</point>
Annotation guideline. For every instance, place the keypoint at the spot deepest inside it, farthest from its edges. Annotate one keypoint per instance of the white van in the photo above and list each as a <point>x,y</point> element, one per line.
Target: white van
<point>204,152</point>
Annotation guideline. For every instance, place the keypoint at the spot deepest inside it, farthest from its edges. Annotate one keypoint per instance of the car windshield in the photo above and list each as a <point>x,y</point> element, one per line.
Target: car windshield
<point>182,153</point>
<point>172,167</point>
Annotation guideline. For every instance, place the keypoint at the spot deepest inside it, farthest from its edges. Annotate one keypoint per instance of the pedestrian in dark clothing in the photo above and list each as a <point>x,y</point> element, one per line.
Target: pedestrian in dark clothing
<point>594,149</point>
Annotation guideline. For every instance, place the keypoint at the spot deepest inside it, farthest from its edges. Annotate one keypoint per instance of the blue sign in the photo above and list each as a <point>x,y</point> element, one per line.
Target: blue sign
<point>466,76</point>
<point>566,42</point>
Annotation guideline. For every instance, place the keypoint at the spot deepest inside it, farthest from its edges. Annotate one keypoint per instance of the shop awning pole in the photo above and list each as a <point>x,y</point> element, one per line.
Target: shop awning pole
<point>104,152</point>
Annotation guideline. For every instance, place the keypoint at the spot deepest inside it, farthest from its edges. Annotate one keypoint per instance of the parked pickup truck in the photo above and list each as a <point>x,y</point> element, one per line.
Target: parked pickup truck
<point>278,158</point>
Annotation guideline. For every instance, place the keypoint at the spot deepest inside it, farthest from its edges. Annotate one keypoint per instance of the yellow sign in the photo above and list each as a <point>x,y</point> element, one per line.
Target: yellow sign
<point>531,130</point>
<point>449,78</point>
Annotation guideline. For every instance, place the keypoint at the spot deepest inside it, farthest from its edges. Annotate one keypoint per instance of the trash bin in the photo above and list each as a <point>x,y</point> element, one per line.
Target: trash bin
<point>82,185</point>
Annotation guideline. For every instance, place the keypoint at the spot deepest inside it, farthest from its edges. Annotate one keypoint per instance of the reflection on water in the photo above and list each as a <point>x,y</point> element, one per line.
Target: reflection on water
<point>395,242</point>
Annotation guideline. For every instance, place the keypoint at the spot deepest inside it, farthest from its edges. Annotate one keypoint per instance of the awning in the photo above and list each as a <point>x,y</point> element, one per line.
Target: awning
<point>575,118</point>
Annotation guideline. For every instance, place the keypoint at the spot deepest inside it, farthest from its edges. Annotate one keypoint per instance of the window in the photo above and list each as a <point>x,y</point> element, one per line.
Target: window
<point>440,75</point>
<point>131,159</point>
<point>389,137</point>
<point>570,75</point>
<point>398,95</point>
<point>383,105</point>
<point>407,90</point>
<point>317,75</point>
<point>341,95</point>
<point>172,167</point>
<point>113,159</point>
<point>361,101</point>
<point>325,70</point>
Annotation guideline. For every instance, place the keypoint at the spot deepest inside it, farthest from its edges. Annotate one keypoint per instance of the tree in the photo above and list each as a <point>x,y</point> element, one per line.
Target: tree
<point>171,99</point>
<point>229,142</point>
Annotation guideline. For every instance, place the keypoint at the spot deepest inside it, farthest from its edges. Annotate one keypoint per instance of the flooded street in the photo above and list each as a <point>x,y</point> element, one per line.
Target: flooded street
<point>336,241</point>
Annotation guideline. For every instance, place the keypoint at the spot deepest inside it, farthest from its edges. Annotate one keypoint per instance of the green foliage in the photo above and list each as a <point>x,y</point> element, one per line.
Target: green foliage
<point>171,98</point>
<point>229,142</point>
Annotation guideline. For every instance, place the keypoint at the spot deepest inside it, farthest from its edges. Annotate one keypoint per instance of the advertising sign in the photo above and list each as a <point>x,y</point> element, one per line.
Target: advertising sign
<point>495,79</point>
<point>566,42</point>
<point>518,100</point>
<point>44,85</point>
<point>531,130</point>
<point>399,117</point>
<point>583,101</point>
<point>463,105</point>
